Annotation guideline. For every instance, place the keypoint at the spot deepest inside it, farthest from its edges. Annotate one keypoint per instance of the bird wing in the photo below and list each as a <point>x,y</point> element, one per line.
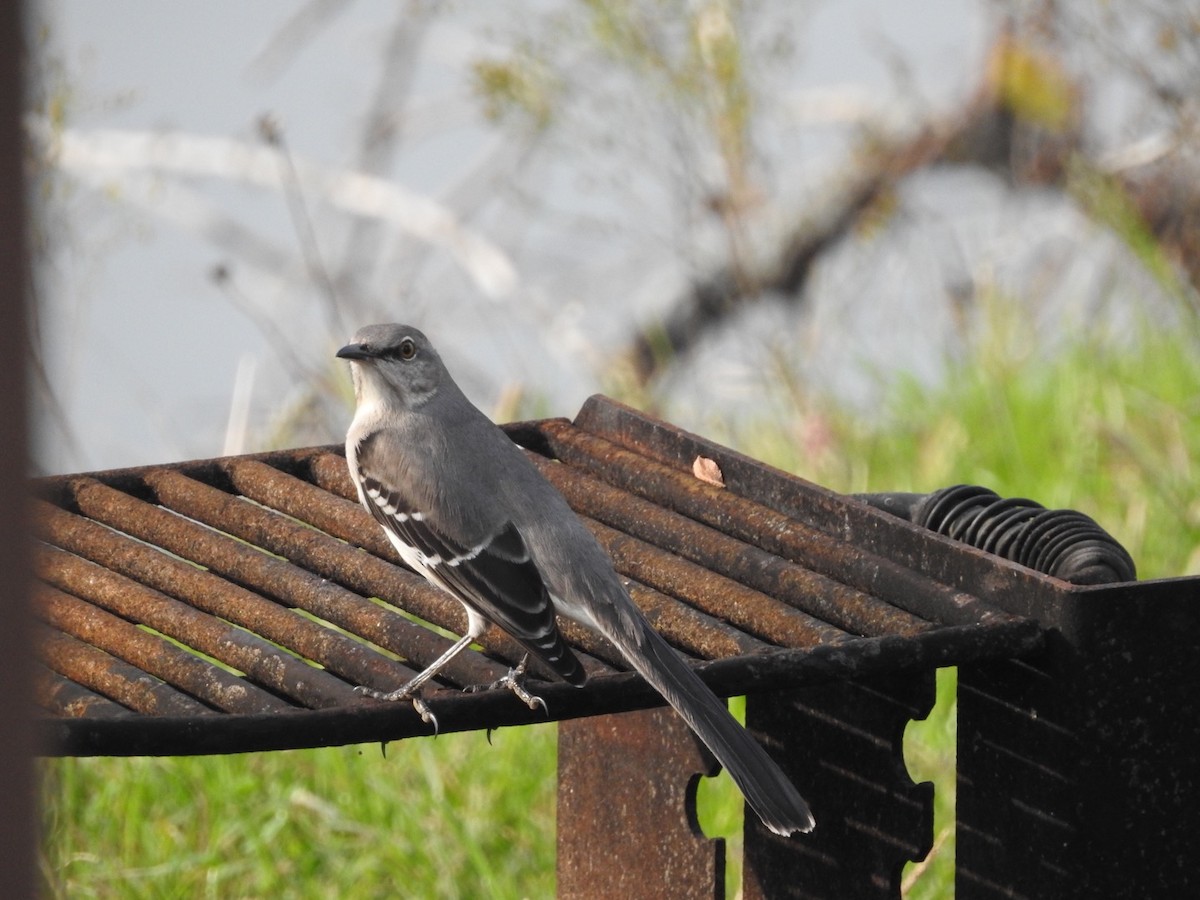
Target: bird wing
<point>495,577</point>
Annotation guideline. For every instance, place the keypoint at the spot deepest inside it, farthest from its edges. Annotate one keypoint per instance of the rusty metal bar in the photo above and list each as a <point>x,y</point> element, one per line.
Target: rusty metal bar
<point>324,556</point>
<point>294,586</point>
<point>323,505</point>
<point>56,489</point>
<point>63,697</point>
<point>328,502</point>
<point>845,608</point>
<point>263,663</point>
<point>785,515</point>
<point>747,609</point>
<point>372,722</point>
<point>128,685</point>
<point>457,711</point>
<point>153,568</point>
<point>336,652</point>
<point>152,653</point>
<point>952,645</point>
<point>329,470</point>
<point>690,630</point>
<point>323,549</point>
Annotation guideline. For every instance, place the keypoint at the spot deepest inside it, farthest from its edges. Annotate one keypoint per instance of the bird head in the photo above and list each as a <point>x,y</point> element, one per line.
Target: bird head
<point>394,365</point>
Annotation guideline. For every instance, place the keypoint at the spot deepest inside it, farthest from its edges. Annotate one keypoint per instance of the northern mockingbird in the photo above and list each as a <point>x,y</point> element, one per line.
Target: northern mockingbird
<point>465,508</point>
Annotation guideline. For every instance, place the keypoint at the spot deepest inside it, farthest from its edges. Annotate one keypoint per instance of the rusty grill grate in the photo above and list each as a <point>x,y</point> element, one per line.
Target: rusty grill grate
<point>233,604</point>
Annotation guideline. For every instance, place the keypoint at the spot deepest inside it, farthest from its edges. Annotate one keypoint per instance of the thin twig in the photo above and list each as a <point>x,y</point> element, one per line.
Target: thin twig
<point>302,222</point>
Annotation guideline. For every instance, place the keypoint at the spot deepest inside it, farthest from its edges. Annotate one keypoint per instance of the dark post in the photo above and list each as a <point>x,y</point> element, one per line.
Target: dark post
<point>842,744</point>
<point>17,823</point>
<point>1077,771</point>
<point>627,809</point>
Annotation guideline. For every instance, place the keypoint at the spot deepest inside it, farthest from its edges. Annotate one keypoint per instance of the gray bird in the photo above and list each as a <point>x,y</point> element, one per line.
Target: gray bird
<point>465,508</point>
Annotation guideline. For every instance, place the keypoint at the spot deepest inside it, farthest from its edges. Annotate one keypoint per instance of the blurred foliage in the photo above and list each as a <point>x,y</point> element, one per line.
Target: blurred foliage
<point>519,84</point>
<point>1108,201</point>
<point>688,56</point>
<point>1104,424</point>
<point>1032,83</point>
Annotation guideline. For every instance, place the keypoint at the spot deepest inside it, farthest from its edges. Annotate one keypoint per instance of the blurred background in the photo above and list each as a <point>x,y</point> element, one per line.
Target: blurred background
<point>723,208</point>
<point>885,245</point>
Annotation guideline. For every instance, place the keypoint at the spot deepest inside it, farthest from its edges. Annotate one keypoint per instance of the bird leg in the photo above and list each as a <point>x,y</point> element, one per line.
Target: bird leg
<point>411,690</point>
<point>512,680</point>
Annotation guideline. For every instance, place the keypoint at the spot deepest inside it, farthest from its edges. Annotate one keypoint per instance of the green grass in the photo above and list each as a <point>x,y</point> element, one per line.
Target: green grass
<point>444,817</point>
<point>1110,432</point>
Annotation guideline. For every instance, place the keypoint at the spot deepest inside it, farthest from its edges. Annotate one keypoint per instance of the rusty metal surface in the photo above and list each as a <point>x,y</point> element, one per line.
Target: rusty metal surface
<point>845,740</point>
<point>234,604</point>
<point>1076,767</point>
<point>621,778</point>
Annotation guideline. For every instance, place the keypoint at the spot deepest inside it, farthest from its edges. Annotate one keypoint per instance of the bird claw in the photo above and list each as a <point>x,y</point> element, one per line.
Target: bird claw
<point>425,712</point>
<point>403,693</point>
<point>512,681</point>
<point>531,700</point>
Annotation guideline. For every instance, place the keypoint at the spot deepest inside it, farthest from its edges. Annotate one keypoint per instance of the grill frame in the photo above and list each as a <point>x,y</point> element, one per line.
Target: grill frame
<point>130,544</point>
<point>1077,721</point>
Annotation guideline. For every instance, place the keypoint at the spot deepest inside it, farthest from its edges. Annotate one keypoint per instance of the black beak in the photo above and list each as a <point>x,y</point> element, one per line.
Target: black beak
<point>355,351</point>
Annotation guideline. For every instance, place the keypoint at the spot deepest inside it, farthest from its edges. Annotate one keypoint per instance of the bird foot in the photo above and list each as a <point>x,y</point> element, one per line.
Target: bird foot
<point>512,680</point>
<point>404,693</point>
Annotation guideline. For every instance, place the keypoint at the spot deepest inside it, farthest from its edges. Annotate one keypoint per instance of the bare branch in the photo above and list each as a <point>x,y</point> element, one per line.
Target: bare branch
<point>297,32</point>
<point>382,134</point>
<point>785,271</point>
<point>302,222</point>
<point>98,156</point>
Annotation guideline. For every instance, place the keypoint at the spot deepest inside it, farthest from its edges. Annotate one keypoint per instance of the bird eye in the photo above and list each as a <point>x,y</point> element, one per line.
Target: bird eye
<point>408,349</point>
